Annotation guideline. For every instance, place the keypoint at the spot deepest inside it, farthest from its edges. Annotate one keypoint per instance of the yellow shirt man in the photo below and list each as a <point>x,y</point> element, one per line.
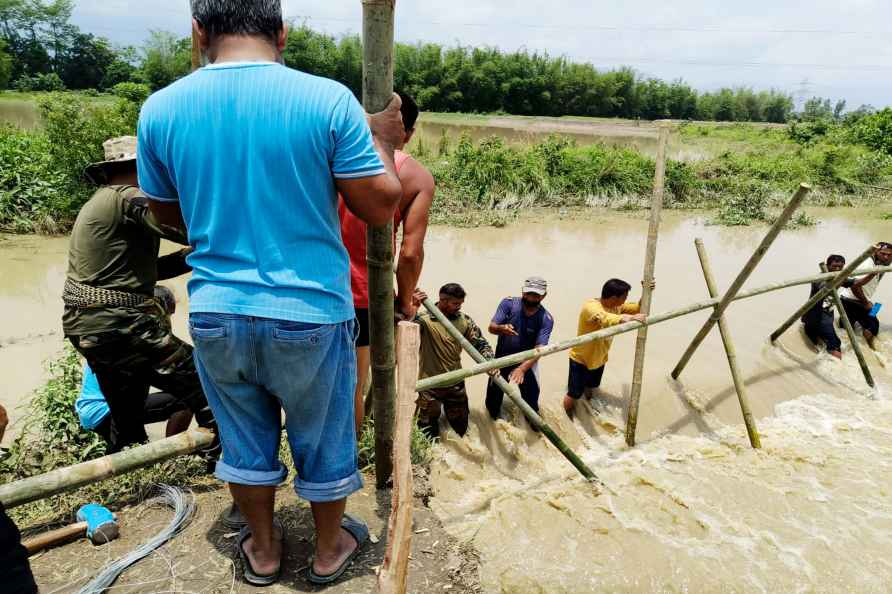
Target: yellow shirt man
<point>587,361</point>
<point>593,317</point>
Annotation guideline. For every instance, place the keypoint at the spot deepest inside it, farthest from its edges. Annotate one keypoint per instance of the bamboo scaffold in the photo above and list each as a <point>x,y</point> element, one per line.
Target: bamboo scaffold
<point>513,393</point>
<point>650,262</point>
<point>742,277</point>
<point>453,377</point>
<point>730,352</point>
<point>847,324</point>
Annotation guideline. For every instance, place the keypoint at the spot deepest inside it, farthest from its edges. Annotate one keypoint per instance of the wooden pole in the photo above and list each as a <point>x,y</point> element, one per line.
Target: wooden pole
<point>847,324</point>
<point>739,385</point>
<point>453,377</point>
<point>72,477</point>
<point>744,274</point>
<point>834,284</point>
<point>377,91</point>
<point>394,572</point>
<point>650,259</point>
<point>513,393</point>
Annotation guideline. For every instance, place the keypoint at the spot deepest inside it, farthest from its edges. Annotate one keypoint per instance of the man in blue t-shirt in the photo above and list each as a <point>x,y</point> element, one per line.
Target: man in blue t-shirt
<point>250,156</point>
<point>521,323</point>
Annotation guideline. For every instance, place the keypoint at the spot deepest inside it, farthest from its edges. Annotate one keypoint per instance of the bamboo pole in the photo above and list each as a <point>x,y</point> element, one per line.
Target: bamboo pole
<point>453,377</point>
<point>744,274</point>
<point>393,576</point>
<point>739,385</point>
<point>513,393</point>
<point>838,280</point>
<point>70,478</point>
<point>650,259</point>
<point>377,91</point>
<point>847,324</point>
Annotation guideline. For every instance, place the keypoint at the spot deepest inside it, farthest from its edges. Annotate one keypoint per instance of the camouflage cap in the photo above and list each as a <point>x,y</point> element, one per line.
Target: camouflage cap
<point>117,150</point>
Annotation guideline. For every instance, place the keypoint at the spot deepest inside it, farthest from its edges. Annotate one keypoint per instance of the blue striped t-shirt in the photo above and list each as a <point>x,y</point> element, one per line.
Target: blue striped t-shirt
<point>251,151</point>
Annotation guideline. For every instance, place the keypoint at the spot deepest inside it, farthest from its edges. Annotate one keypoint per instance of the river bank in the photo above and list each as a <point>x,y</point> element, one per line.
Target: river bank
<point>692,508</point>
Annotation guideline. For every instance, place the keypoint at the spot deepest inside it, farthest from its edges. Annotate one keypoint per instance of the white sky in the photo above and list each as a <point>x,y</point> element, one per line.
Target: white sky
<point>837,49</point>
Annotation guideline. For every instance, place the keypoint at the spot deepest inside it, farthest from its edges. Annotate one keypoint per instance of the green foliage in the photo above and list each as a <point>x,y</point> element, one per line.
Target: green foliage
<point>165,59</point>
<point>743,209</point>
<point>874,131</point>
<point>41,172</point>
<point>43,82</point>
<point>5,66</point>
<point>53,438</point>
<point>421,446</point>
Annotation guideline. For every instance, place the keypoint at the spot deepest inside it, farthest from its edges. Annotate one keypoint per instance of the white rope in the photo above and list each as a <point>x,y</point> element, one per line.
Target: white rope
<point>183,504</point>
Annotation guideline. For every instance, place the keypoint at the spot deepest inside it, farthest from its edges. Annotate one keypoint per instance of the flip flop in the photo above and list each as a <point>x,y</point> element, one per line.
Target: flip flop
<point>360,532</point>
<point>251,576</point>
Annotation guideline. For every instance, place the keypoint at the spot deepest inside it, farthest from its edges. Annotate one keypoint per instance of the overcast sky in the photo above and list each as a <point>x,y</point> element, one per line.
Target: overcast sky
<point>838,49</point>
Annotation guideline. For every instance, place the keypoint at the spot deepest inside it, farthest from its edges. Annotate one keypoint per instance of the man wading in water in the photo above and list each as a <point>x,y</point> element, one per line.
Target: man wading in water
<point>441,353</point>
<point>412,213</point>
<point>587,362</point>
<point>858,299</point>
<point>818,321</point>
<point>521,323</point>
<point>111,316</point>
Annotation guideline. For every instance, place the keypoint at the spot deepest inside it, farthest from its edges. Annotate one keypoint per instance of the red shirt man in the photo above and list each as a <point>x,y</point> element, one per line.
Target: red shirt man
<point>412,214</point>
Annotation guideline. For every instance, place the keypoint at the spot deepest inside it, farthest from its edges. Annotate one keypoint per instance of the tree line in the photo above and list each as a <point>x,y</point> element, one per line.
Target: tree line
<point>41,50</point>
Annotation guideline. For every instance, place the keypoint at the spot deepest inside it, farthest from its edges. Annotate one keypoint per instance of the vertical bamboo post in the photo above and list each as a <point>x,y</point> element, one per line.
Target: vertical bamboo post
<point>739,385</point>
<point>394,571</point>
<point>513,394</point>
<point>650,259</point>
<point>744,274</point>
<point>834,284</point>
<point>377,91</point>
<point>847,324</point>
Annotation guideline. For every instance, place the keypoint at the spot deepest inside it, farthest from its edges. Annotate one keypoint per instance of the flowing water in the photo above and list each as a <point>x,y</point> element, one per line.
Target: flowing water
<point>692,508</point>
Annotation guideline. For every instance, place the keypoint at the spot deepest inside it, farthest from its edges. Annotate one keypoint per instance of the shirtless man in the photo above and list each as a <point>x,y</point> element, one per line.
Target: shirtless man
<point>412,213</point>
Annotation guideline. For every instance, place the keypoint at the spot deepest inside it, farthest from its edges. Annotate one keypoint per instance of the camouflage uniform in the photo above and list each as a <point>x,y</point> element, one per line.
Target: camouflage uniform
<point>112,319</point>
<point>441,353</point>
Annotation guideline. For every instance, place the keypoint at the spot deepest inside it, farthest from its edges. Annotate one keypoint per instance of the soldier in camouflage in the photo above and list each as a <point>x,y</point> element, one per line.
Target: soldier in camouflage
<point>441,353</point>
<point>111,316</point>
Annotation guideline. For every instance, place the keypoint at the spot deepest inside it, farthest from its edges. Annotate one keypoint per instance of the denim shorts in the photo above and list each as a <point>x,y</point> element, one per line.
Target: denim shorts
<point>252,369</point>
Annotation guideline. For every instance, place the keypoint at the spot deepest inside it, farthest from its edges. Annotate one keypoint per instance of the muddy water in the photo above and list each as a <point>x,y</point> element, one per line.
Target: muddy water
<point>693,508</point>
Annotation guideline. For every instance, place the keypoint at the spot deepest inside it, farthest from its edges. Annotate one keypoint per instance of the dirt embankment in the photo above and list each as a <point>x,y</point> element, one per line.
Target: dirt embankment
<point>204,559</point>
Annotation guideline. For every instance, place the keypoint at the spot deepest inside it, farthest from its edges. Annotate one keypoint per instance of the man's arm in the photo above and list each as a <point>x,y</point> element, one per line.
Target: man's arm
<point>174,265</point>
<point>419,183</point>
<point>858,292</point>
<point>498,325</point>
<point>475,337</point>
<point>372,198</point>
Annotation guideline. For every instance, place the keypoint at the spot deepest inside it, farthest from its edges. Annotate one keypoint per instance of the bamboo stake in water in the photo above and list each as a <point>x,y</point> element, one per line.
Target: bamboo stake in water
<point>744,274</point>
<point>847,324</point>
<point>513,393</point>
<point>450,378</point>
<point>71,477</point>
<point>650,259</point>
<point>739,385</point>
<point>377,92</point>
<point>837,282</point>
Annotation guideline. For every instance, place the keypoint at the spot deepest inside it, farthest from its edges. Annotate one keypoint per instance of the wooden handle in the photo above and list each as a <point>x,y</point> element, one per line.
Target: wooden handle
<point>54,537</point>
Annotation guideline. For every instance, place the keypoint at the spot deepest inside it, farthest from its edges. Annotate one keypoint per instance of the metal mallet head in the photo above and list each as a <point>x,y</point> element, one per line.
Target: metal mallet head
<point>101,524</point>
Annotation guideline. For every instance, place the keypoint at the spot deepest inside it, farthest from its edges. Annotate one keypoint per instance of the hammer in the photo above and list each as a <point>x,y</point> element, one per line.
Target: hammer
<point>96,521</point>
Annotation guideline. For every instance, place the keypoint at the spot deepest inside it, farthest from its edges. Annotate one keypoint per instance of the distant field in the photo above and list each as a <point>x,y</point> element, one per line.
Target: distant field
<point>20,109</point>
<point>689,141</point>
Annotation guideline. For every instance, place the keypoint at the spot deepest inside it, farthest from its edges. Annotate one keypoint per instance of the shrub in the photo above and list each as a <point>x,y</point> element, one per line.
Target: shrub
<point>874,131</point>
<point>39,82</point>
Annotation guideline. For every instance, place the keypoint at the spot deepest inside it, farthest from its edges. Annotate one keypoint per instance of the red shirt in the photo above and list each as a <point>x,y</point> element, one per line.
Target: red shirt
<point>354,233</point>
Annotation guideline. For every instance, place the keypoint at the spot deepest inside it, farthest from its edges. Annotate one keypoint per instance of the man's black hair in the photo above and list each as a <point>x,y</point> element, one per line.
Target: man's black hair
<point>453,290</point>
<point>239,17</point>
<point>409,111</point>
<point>835,258</point>
<point>615,288</point>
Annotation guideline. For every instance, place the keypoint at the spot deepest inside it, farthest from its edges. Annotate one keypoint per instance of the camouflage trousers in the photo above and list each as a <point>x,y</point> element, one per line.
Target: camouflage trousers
<point>453,399</point>
<point>128,361</point>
